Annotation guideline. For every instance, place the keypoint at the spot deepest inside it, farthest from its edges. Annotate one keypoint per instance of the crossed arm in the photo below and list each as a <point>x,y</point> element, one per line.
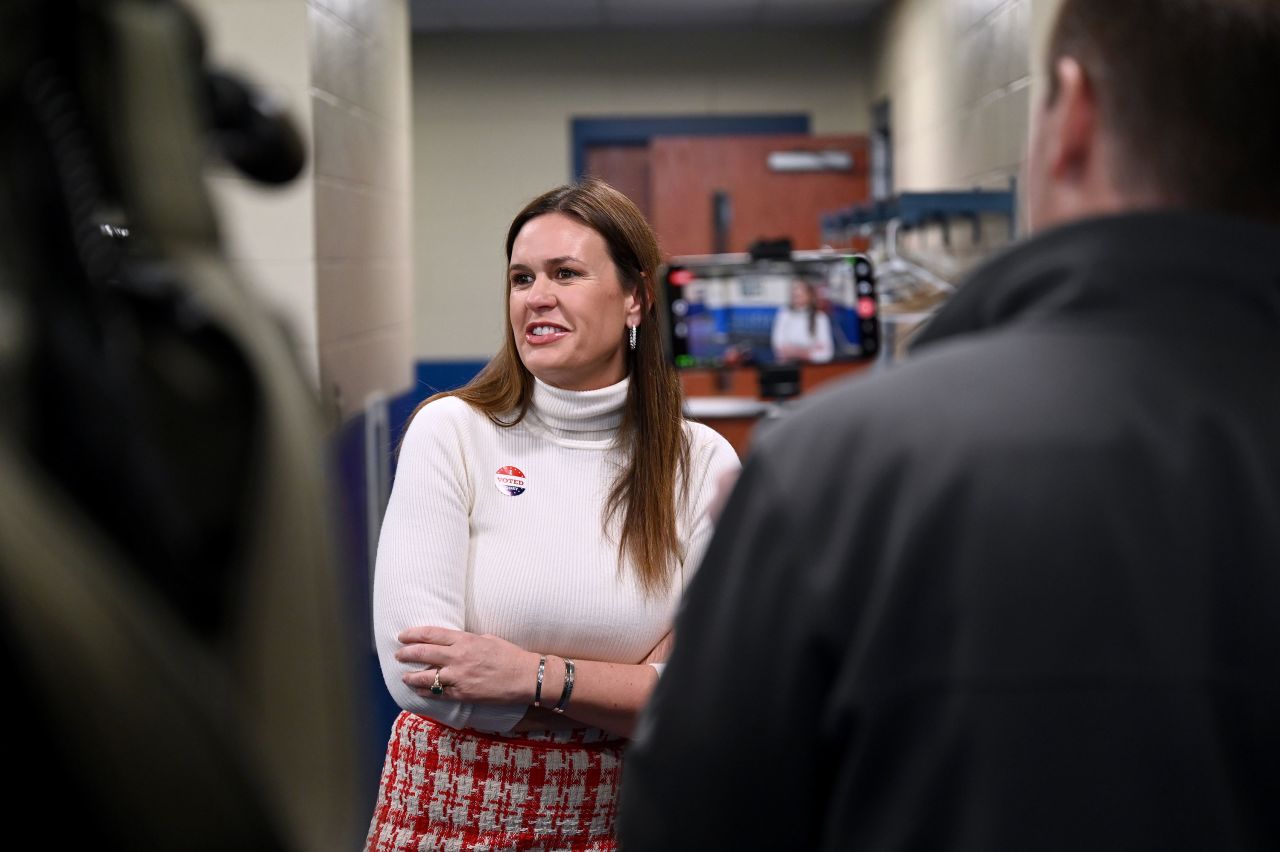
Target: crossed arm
<point>420,600</point>
<point>489,669</point>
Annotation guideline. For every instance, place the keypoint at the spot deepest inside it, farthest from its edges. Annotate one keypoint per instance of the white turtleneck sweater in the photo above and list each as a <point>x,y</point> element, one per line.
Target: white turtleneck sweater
<point>498,530</point>
<point>791,329</point>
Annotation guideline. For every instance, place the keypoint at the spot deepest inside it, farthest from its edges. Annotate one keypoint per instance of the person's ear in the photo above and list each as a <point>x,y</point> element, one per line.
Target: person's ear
<point>1074,123</point>
<point>636,301</point>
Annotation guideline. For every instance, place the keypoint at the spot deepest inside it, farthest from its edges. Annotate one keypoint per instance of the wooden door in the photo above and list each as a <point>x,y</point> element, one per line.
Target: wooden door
<point>686,172</point>
<point>626,168</point>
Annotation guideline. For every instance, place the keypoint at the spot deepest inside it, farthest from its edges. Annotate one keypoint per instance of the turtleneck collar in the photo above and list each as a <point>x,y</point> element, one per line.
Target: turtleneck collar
<point>592,415</point>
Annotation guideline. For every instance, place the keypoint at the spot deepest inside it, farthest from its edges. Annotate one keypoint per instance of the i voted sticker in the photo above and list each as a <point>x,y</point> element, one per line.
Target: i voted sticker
<point>510,481</point>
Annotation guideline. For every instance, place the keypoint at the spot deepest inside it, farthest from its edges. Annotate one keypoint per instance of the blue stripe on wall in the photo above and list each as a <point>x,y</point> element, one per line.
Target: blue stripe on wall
<point>378,708</point>
<point>436,376</point>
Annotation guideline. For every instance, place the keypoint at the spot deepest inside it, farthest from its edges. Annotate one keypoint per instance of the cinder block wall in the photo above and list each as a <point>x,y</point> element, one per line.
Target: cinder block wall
<point>329,254</point>
<point>962,78</point>
<point>363,204</point>
<point>959,75</point>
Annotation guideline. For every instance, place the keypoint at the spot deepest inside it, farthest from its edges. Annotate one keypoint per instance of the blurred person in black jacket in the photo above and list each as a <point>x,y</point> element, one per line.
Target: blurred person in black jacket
<point>1022,591</point>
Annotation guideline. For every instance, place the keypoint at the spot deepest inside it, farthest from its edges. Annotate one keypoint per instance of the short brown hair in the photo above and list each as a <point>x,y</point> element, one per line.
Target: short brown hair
<point>1187,88</point>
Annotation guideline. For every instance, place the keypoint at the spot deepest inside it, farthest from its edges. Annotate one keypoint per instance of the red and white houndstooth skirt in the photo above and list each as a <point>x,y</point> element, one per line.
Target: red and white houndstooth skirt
<point>445,789</point>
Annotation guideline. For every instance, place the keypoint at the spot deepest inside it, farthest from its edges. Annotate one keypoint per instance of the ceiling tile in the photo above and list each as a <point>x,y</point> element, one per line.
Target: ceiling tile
<point>447,15</point>
<point>505,14</point>
<point>808,13</point>
<point>677,7</point>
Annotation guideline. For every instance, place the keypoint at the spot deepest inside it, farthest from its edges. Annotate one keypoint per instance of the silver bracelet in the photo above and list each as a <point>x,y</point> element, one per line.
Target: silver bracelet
<point>537,693</point>
<point>568,686</point>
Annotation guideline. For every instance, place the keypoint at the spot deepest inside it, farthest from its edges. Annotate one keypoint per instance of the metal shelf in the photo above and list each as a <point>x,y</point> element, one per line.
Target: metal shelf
<point>915,209</point>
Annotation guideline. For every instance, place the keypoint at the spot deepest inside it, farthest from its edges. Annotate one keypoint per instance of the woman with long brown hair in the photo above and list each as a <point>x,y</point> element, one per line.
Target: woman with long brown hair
<point>544,521</point>
<point>802,330</point>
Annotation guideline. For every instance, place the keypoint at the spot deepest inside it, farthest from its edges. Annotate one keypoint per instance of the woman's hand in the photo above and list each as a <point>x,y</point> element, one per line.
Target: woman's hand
<point>472,667</point>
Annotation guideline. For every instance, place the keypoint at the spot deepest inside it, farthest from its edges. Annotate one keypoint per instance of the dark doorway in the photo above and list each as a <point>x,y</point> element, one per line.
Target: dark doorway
<point>881,150</point>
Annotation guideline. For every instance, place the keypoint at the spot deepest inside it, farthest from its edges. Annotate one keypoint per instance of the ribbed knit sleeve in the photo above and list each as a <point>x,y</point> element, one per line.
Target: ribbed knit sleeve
<point>421,570</point>
<point>711,458</point>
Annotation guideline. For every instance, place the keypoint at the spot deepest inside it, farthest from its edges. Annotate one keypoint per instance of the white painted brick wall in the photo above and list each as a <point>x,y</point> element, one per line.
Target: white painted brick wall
<point>330,253</point>
<point>360,98</point>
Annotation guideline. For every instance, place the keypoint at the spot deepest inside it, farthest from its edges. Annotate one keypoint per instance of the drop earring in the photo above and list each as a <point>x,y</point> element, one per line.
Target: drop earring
<point>633,337</point>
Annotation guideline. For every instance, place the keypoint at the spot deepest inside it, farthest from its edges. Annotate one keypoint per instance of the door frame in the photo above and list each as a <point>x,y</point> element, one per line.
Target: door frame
<point>638,130</point>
